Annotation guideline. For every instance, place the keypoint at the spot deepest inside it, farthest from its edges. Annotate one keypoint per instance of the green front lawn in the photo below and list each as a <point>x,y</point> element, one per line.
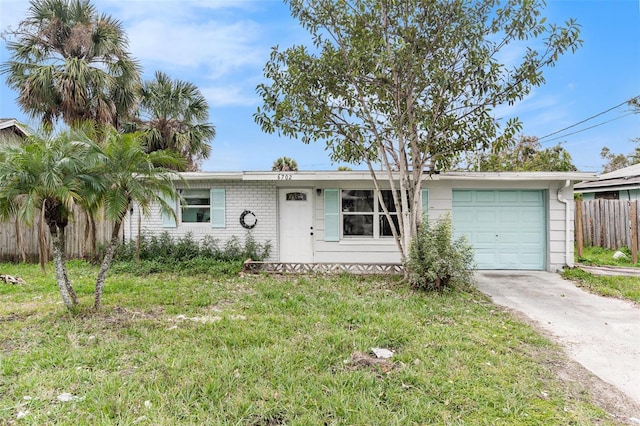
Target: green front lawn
<point>256,350</point>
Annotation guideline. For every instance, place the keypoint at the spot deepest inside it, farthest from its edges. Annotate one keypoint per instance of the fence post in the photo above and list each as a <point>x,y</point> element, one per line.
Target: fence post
<point>578,228</point>
<point>634,230</point>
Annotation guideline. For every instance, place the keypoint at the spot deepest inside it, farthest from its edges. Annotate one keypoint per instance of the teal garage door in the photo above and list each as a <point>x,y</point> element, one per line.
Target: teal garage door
<point>506,228</point>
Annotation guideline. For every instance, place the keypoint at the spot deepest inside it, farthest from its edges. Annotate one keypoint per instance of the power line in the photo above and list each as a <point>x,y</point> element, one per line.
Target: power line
<point>588,128</point>
<point>588,119</point>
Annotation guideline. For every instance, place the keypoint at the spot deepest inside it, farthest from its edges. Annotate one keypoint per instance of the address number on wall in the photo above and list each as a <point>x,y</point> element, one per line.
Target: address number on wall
<point>283,176</point>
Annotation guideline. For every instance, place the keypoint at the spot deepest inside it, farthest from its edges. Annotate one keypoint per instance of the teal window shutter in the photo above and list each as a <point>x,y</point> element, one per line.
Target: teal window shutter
<point>169,220</point>
<point>218,208</point>
<point>425,203</point>
<point>331,215</point>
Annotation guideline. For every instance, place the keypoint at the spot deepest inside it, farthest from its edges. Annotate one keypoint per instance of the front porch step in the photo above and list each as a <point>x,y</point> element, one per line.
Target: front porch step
<point>324,268</point>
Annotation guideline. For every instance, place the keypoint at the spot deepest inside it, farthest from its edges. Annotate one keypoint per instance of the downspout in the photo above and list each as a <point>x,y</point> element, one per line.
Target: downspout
<point>567,219</point>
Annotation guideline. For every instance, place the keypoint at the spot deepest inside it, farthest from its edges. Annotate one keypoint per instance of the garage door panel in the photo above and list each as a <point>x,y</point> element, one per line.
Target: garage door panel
<point>531,197</point>
<point>466,216</point>
<point>485,238</point>
<point>531,215</point>
<point>463,196</point>
<point>484,258</point>
<point>484,216</point>
<point>509,259</point>
<point>531,238</point>
<point>508,238</point>
<point>505,227</point>
<point>532,258</point>
<point>485,197</point>
<point>508,197</point>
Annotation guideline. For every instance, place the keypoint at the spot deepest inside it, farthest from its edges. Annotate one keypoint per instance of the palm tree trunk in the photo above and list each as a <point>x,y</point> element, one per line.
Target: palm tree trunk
<point>61,272</point>
<point>106,264</point>
<point>67,281</point>
<point>20,240</point>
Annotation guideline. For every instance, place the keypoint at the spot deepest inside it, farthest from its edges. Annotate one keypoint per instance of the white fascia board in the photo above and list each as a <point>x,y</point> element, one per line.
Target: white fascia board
<point>323,176</point>
<point>364,175</point>
<point>200,176</point>
<point>519,176</point>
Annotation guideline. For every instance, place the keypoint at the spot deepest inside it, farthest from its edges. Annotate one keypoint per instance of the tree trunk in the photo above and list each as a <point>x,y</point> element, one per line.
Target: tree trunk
<point>106,264</point>
<point>67,281</point>
<point>61,271</point>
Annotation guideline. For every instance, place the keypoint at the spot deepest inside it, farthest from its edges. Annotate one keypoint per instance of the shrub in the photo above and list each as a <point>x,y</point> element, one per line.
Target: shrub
<point>163,253</point>
<point>436,261</point>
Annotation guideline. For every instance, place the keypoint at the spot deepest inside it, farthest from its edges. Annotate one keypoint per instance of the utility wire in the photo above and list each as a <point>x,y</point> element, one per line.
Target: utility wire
<point>588,128</point>
<point>587,119</point>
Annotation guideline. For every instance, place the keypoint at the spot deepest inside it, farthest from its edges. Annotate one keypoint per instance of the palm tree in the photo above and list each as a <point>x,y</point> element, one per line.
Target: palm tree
<point>43,178</point>
<point>285,164</point>
<point>69,62</point>
<point>173,115</point>
<point>132,177</point>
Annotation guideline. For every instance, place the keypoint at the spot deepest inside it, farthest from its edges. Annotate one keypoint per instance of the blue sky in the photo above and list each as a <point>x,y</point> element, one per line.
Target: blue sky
<point>222,46</point>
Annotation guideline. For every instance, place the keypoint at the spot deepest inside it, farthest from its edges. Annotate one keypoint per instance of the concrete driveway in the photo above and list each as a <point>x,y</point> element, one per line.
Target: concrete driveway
<point>602,334</point>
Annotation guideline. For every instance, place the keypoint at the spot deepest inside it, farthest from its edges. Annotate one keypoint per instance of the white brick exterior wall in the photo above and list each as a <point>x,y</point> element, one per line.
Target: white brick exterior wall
<point>258,197</point>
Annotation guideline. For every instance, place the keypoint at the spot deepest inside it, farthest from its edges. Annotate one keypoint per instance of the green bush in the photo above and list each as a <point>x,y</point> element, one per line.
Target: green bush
<point>437,261</point>
<point>162,253</point>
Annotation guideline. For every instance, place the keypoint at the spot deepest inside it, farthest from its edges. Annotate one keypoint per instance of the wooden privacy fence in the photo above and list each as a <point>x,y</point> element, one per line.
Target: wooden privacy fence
<point>607,223</point>
<point>77,245</point>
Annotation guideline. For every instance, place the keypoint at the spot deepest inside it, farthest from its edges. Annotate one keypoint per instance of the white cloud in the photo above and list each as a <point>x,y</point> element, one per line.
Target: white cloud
<point>227,96</point>
<point>221,48</point>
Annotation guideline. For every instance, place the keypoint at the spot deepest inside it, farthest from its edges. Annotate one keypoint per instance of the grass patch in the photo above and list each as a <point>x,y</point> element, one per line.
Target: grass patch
<point>613,286</point>
<point>258,350</point>
<point>598,256</point>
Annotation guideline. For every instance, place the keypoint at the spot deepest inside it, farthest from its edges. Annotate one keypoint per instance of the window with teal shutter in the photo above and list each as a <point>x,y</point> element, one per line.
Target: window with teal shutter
<point>168,219</point>
<point>218,208</point>
<point>425,203</point>
<point>331,215</point>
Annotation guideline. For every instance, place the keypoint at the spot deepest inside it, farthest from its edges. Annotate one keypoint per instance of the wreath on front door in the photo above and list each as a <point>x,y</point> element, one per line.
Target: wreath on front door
<point>248,219</point>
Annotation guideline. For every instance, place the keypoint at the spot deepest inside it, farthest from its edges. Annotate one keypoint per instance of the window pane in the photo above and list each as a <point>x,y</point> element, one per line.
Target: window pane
<point>357,201</point>
<point>296,196</point>
<point>195,214</point>
<point>358,225</point>
<point>196,197</point>
<point>197,201</point>
<point>388,201</point>
<point>385,228</point>
<point>196,206</point>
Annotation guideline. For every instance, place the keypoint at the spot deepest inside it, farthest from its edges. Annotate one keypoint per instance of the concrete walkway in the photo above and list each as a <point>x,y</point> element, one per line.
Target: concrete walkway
<point>602,334</point>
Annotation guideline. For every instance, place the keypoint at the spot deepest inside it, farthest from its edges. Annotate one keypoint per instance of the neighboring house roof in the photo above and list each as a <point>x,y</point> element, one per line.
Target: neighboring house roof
<point>621,179</point>
<point>11,126</point>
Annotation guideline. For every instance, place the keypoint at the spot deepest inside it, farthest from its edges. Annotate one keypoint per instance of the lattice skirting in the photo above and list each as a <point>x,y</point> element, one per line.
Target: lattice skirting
<point>325,268</point>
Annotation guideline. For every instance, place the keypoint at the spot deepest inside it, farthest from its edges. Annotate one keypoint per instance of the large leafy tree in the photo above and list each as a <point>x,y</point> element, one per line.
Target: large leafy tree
<point>69,62</point>
<point>173,115</point>
<point>615,161</point>
<point>524,155</point>
<point>42,179</point>
<point>408,84</point>
<point>132,177</point>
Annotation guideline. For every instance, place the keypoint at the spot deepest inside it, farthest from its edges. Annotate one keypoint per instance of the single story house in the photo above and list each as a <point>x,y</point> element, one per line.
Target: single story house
<point>622,184</point>
<point>513,220</point>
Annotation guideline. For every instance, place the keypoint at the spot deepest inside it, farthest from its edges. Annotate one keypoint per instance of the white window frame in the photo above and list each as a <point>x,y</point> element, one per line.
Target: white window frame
<point>377,214</point>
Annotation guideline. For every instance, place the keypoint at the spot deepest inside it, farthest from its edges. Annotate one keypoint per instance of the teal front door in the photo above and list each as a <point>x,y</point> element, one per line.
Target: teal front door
<point>506,228</point>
